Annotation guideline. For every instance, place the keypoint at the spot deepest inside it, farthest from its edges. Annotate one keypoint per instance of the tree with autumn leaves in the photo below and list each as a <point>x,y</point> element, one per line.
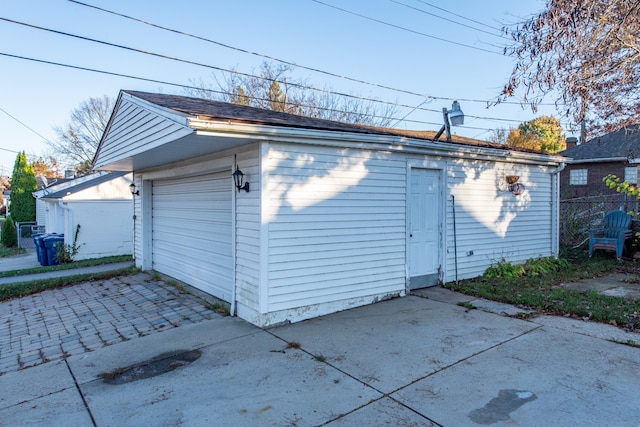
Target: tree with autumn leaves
<point>586,55</point>
<point>541,134</point>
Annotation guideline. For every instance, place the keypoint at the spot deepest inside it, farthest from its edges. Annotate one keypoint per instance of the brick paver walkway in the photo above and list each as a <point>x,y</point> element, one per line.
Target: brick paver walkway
<point>62,322</point>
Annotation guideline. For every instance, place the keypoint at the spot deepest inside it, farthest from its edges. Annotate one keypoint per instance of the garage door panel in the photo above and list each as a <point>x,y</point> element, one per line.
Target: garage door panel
<point>192,231</point>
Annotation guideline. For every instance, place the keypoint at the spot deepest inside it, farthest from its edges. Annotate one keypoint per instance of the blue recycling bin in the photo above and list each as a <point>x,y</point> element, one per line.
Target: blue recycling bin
<point>41,250</point>
<point>36,242</point>
<point>50,244</point>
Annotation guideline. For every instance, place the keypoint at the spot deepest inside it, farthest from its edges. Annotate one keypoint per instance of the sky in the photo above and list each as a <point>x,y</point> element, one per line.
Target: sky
<point>438,50</point>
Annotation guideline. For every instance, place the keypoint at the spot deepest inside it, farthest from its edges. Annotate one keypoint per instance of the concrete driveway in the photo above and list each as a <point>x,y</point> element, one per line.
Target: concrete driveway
<point>421,360</point>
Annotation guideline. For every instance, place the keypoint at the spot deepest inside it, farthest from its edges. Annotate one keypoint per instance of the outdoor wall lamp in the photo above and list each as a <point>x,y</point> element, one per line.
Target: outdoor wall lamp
<point>132,188</point>
<point>455,115</point>
<point>238,177</point>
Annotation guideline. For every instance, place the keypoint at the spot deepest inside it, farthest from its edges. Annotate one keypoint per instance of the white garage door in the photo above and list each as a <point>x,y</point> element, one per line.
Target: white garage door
<point>192,231</point>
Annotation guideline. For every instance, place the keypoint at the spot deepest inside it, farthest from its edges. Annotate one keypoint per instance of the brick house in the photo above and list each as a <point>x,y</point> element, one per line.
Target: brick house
<point>615,153</point>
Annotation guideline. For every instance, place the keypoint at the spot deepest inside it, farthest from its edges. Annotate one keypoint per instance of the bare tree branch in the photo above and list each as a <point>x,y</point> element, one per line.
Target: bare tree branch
<point>586,52</point>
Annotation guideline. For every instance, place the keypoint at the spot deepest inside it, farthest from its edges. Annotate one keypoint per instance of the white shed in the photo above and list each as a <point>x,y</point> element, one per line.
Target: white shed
<point>101,203</point>
<point>336,216</point>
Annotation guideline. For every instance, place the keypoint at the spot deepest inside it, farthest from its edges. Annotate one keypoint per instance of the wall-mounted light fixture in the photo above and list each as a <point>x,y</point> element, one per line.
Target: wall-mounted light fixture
<point>132,188</point>
<point>457,119</point>
<point>238,177</point>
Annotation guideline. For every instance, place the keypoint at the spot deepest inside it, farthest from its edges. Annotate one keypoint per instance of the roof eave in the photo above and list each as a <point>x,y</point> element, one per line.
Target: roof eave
<point>367,140</point>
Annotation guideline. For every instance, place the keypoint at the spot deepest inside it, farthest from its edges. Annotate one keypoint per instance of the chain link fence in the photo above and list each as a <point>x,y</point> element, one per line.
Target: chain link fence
<point>579,215</point>
<point>25,231</point>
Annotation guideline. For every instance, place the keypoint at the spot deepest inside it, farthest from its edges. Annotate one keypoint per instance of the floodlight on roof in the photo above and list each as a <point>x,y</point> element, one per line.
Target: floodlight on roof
<point>457,119</point>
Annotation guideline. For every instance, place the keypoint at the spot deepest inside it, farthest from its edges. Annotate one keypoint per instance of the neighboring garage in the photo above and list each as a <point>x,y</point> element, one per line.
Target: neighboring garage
<point>191,230</point>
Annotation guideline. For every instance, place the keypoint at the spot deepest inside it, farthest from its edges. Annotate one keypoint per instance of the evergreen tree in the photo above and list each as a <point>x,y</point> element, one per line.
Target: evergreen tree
<point>23,183</point>
<point>9,238</point>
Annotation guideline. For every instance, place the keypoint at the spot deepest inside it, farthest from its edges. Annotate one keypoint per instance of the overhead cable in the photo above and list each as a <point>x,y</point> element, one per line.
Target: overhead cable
<point>406,29</point>
<point>183,86</point>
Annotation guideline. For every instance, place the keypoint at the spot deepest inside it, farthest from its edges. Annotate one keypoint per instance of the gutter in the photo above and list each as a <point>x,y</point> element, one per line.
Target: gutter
<point>361,140</point>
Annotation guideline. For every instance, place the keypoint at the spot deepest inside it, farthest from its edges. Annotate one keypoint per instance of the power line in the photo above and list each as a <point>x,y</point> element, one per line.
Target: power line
<point>405,29</point>
<point>459,16</point>
<point>282,61</point>
<point>446,19</point>
<point>183,86</point>
<point>31,129</point>
<point>162,56</point>
<point>186,61</point>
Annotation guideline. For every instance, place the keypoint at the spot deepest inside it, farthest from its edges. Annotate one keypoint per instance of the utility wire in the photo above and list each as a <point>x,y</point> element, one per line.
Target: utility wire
<point>282,61</point>
<point>459,16</point>
<point>31,129</point>
<point>186,61</point>
<point>446,19</point>
<point>301,86</point>
<point>406,29</point>
<point>183,86</point>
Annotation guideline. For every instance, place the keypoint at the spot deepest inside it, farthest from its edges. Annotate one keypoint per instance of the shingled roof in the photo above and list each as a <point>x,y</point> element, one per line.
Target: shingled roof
<point>216,110</point>
<point>612,146</point>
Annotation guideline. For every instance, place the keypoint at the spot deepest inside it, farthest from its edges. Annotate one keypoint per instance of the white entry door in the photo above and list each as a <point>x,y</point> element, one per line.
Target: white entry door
<point>425,248</point>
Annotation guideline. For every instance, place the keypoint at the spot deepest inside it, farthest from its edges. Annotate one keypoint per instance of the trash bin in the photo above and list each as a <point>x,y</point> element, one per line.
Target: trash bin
<point>36,237</point>
<point>41,251</point>
<point>50,243</point>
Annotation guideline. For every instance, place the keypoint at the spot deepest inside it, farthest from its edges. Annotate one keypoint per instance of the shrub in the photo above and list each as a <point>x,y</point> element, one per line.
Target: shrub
<point>9,238</point>
<point>533,267</point>
<point>66,252</point>
<point>504,269</point>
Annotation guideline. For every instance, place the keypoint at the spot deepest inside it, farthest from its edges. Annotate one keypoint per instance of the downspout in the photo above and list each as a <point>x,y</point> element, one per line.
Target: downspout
<point>556,203</point>
<point>232,309</point>
<point>455,236</point>
<point>69,217</point>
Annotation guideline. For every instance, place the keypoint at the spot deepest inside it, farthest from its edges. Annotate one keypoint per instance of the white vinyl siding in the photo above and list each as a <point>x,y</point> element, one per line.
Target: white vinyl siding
<point>578,177</point>
<point>336,225</point>
<point>247,212</point>
<point>134,130</point>
<point>191,231</point>
<point>494,224</point>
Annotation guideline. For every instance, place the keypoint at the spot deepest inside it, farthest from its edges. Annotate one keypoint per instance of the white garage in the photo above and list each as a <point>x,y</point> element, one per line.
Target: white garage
<point>191,231</point>
<point>336,216</point>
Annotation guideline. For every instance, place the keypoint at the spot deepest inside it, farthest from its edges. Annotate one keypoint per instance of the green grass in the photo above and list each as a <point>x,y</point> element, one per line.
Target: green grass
<point>60,267</point>
<point>8,252</point>
<point>543,292</point>
<point>20,289</point>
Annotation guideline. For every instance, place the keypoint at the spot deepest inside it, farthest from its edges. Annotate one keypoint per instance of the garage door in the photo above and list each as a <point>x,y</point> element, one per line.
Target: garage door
<point>192,231</point>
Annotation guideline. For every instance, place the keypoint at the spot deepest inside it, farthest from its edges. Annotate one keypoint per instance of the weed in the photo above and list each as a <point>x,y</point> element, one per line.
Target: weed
<point>155,276</point>
<point>219,307</point>
<point>467,305</point>
<point>630,343</point>
<point>293,345</point>
<point>186,318</point>
<point>539,288</point>
<point>503,269</point>
<point>66,252</point>
<point>319,358</point>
